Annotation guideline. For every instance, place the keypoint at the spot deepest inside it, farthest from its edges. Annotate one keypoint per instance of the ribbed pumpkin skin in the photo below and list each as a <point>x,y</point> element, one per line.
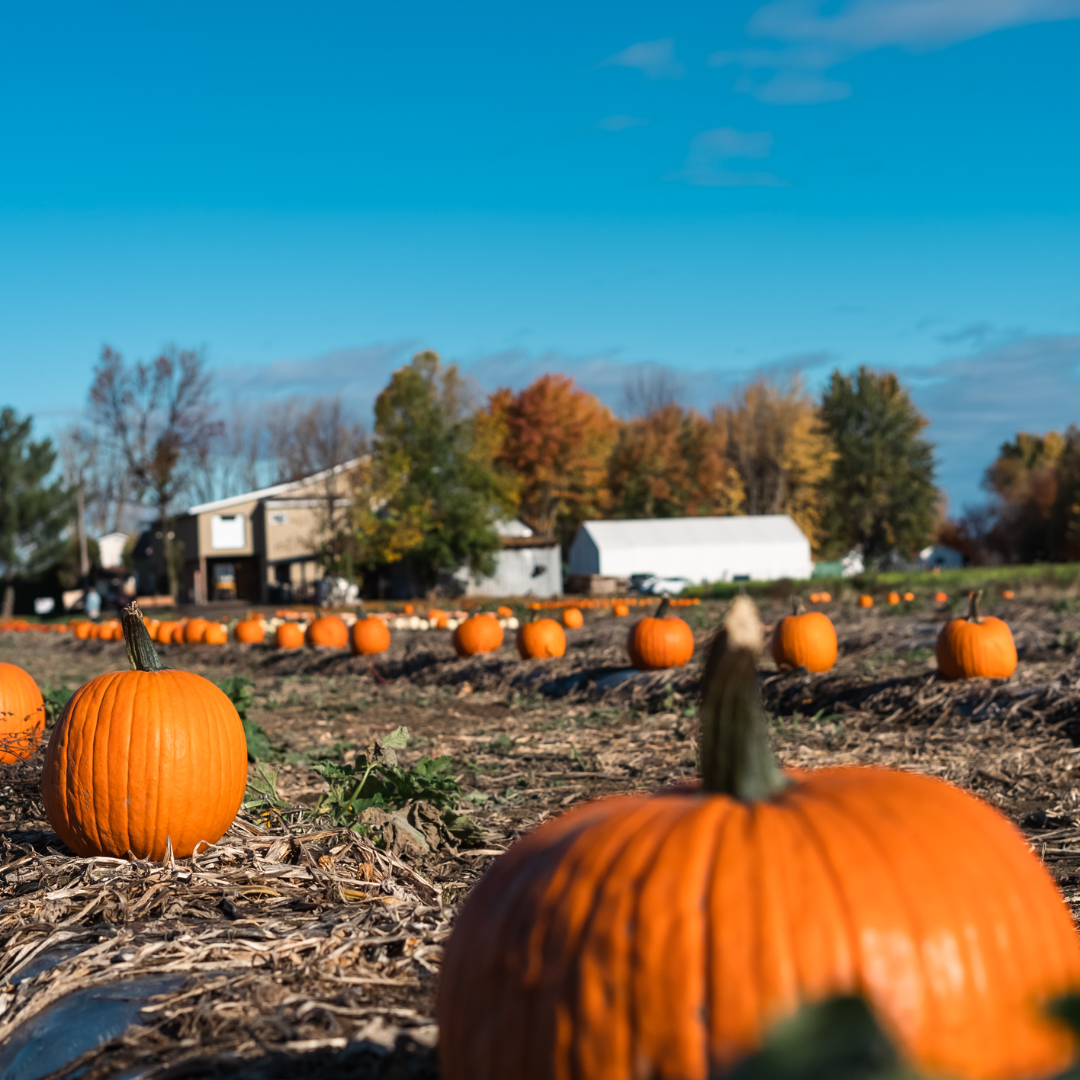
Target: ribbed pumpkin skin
<point>807,641</point>
<point>968,650</point>
<point>329,632</point>
<point>250,632</point>
<point>22,714</point>
<point>660,643</point>
<point>138,756</point>
<point>369,636</point>
<point>477,634</point>
<point>659,937</point>
<point>541,640</point>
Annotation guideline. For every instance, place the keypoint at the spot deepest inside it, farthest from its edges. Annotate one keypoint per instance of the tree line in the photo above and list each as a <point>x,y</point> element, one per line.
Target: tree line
<point>443,463</point>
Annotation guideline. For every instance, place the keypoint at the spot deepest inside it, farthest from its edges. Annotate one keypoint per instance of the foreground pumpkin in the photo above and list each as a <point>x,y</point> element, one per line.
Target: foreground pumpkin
<point>369,636</point>
<point>978,646</point>
<point>660,640</point>
<point>662,936</point>
<point>805,640</point>
<point>22,714</point>
<point>143,756</point>
<point>541,640</point>
<point>250,631</point>
<point>479,633</point>
<point>328,632</point>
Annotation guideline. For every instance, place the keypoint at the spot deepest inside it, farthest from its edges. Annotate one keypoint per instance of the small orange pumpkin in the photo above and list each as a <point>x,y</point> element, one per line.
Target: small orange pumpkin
<point>1008,594</point>
<point>504,612</point>
<point>805,640</point>
<point>662,936</point>
<point>941,597</point>
<point>369,636</point>
<point>908,597</point>
<point>815,598</point>
<point>660,640</point>
<point>82,629</point>
<point>165,632</point>
<point>825,598</point>
<point>479,633</point>
<point>620,611</point>
<point>22,714</point>
<point>976,647</point>
<point>194,630</point>
<point>866,601</point>
<point>215,634</point>
<point>408,609</point>
<point>893,598</point>
<point>541,640</point>
<point>142,757</point>
<point>250,631</point>
<point>329,632</point>
<point>572,618</point>
<point>289,636</point>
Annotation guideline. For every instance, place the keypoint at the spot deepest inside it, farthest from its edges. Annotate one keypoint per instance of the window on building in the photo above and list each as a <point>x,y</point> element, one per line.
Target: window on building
<point>228,532</point>
<point>279,517</point>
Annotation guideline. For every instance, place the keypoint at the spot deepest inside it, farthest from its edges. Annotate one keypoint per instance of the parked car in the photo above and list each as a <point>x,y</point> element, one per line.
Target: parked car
<point>658,586</point>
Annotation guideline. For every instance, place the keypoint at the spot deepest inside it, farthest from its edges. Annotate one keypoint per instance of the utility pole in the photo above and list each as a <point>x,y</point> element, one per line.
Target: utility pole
<point>80,525</point>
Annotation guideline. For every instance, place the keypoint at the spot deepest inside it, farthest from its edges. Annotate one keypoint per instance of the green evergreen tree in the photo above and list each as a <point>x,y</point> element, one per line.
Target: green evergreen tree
<point>434,494</point>
<point>880,493</point>
<point>33,513</point>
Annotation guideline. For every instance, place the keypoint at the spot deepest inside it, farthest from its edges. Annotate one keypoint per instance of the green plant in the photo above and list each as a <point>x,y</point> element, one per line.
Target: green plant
<point>260,747</point>
<point>56,697</point>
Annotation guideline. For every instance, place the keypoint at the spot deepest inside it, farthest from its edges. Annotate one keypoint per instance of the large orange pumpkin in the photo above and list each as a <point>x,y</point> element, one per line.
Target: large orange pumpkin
<point>479,633</point>
<point>660,640</point>
<point>194,630</point>
<point>143,756</point>
<point>329,632</point>
<point>22,714</point>
<point>369,636</point>
<point>250,631</point>
<point>662,936</point>
<point>807,641</point>
<point>541,640</point>
<point>572,618</point>
<point>289,636</point>
<point>978,646</point>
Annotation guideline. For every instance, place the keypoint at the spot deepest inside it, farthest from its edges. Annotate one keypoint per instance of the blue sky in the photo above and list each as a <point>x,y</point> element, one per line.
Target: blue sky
<point>310,192</point>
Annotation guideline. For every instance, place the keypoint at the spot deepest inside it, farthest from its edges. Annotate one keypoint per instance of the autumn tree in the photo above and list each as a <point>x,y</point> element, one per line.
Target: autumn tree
<point>780,450</point>
<point>158,419</point>
<point>554,440</point>
<point>34,510</point>
<point>672,463</point>
<point>879,493</point>
<point>433,494</point>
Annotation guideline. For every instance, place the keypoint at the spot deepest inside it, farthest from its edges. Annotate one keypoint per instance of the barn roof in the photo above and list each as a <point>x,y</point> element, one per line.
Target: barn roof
<point>695,531</point>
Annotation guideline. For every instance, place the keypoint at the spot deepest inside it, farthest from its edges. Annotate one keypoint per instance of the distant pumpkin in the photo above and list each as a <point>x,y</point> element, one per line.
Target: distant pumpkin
<point>541,640</point>
<point>250,631</point>
<point>893,598</point>
<point>941,597</point>
<point>504,612</point>
<point>976,647</point>
<point>620,611</point>
<point>165,630</point>
<point>479,633</point>
<point>22,714</point>
<point>82,629</point>
<point>825,598</point>
<point>807,640</point>
<point>194,630</point>
<point>289,636</point>
<point>572,618</point>
<point>1008,594</point>
<point>866,601</point>
<point>908,597</point>
<point>329,632</point>
<point>660,641</point>
<point>215,634</point>
<point>369,636</point>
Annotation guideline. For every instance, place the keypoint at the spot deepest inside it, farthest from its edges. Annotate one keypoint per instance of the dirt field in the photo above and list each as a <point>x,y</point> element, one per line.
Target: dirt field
<point>295,947</point>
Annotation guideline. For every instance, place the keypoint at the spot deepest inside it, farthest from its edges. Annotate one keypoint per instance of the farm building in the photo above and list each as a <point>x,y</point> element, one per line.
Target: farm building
<point>760,548</point>
<point>526,565</point>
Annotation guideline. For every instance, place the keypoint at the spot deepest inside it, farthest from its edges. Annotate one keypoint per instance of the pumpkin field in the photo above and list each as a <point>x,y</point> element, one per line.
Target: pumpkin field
<point>380,789</point>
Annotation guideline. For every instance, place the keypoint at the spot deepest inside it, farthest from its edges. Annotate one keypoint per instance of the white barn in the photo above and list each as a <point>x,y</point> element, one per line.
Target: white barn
<point>526,565</point>
<point>760,548</point>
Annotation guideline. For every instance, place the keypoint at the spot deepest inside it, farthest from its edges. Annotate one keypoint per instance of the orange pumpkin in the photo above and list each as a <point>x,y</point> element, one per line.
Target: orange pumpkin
<point>479,633</point>
<point>143,756</point>
<point>1008,594</point>
<point>329,632</point>
<point>893,598</point>
<point>572,618</point>
<point>807,641</point>
<point>660,640</point>
<point>250,631</point>
<point>941,597</point>
<point>620,611</point>
<point>194,630</point>
<point>408,609</point>
<point>504,612</point>
<point>866,601</point>
<point>662,936</point>
<point>215,634</point>
<point>289,636</point>
<point>165,631</point>
<point>976,647</point>
<point>82,629</point>
<point>908,597</point>
<point>825,598</point>
<point>22,714</point>
<point>541,640</point>
<point>369,636</point>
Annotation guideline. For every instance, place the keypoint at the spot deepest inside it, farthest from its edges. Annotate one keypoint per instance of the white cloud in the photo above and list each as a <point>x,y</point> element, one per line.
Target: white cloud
<point>621,122</point>
<point>654,59</point>
<point>707,164</point>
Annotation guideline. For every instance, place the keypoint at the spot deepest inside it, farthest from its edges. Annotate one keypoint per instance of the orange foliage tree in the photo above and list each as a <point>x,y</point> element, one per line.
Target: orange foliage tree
<point>672,463</point>
<point>555,441</point>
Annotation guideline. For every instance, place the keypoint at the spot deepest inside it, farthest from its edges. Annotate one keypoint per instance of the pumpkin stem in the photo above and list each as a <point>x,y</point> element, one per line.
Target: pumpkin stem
<point>736,757</point>
<point>796,606</point>
<point>662,610</point>
<point>973,606</point>
<point>142,656</point>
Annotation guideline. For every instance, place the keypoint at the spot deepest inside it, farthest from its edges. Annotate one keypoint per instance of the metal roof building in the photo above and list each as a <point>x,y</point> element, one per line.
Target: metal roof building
<point>760,548</point>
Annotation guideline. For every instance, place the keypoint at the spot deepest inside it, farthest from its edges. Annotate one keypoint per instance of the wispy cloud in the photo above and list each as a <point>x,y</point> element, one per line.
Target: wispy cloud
<point>817,39</point>
<point>654,59</point>
<point>621,122</point>
<point>708,163</point>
